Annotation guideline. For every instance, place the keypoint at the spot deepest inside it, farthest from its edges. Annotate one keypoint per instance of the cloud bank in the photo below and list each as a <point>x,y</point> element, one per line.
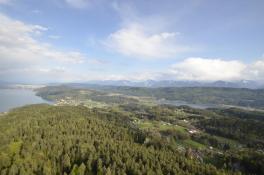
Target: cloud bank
<point>134,40</point>
<point>21,49</point>
<point>143,37</point>
<point>214,69</point>
<point>201,69</point>
<point>208,69</point>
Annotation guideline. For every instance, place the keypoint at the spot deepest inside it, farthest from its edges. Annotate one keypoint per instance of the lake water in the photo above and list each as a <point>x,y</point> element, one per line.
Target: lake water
<point>11,98</point>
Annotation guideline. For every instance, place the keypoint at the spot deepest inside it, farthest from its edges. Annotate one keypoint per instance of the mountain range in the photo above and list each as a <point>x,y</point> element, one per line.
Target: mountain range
<point>171,83</point>
<point>153,84</point>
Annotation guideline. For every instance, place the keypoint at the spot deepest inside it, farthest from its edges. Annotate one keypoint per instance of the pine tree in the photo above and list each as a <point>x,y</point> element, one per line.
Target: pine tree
<point>74,170</point>
<point>47,169</point>
<point>66,162</point>
<point>13,170</point>
<point>99,167</point>
<point>108,171</point>
<point>81,169</point>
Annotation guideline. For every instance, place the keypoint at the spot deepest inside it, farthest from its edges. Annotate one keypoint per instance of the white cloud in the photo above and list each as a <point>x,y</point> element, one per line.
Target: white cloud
<point>210,69</point>
<point>20,48</point>
<point>78,3</point>
<point>207,69</point>
<point>19,43</point>
<point>136,41</point>
<point>255,71</point>
<point>143,36</point>
<point>201,69</point>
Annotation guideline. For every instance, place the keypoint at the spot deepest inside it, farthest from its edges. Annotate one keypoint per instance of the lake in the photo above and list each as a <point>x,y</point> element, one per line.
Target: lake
<point>12,98</point>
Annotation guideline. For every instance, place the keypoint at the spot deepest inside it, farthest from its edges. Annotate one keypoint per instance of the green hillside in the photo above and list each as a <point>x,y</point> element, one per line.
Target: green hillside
<point>196,95</point>
<point>42,139</point>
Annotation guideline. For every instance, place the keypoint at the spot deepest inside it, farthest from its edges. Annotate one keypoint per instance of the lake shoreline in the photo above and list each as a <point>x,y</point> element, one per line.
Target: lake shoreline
<point>16,97</point>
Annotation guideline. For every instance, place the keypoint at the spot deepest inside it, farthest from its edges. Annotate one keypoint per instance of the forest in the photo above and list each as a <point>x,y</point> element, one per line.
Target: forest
<point>128,139</point>
<point>89,131</point>
<point>43,139</point>
<point>197,95</point>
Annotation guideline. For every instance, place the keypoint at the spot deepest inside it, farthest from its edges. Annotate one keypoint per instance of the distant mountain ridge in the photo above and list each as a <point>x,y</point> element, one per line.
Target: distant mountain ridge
<point>171,83</point>
<point>249,84</point>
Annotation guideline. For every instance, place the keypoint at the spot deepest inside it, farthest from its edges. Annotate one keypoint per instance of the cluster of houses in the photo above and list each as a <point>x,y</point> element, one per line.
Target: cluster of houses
<point>193,131</point>
<point>66,101</point>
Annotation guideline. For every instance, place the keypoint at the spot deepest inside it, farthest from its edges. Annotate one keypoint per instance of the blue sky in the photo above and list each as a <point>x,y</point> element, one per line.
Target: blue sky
<point>81,40</point>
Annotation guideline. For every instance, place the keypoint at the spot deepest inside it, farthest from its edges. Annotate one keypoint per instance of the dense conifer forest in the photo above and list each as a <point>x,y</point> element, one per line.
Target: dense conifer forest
<point>42,139</point>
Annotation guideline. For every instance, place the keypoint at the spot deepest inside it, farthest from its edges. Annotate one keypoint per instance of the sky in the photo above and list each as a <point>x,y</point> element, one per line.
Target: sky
<point>83,40</point>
